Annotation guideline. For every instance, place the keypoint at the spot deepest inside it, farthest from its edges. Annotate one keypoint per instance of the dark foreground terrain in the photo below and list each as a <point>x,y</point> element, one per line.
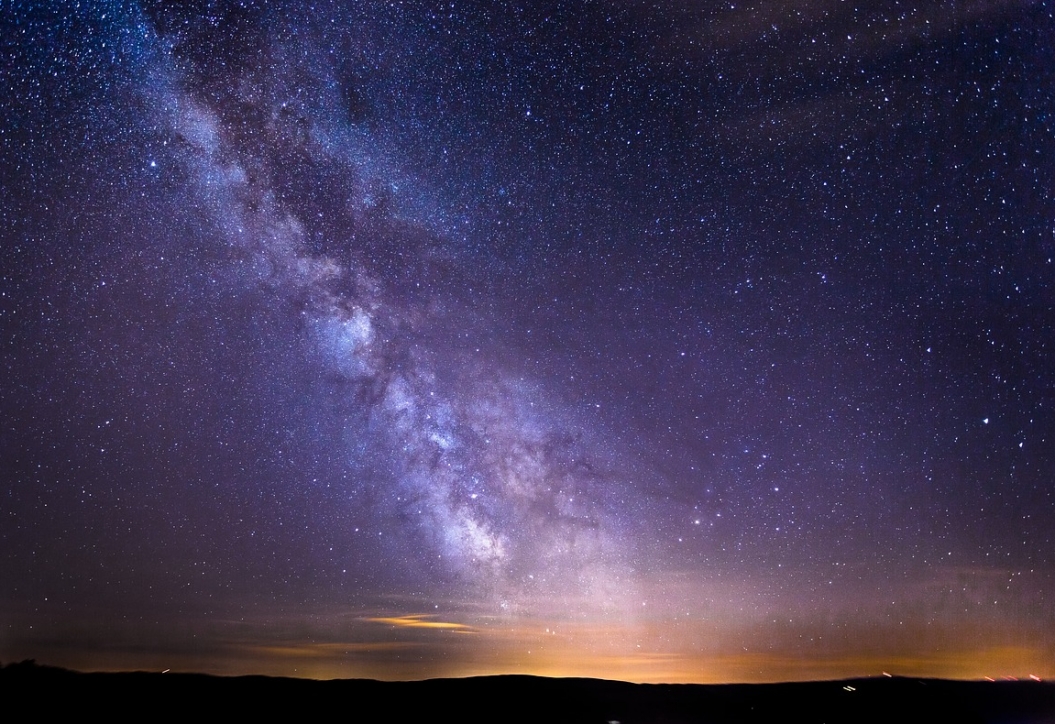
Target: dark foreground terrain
<point>42,690</point>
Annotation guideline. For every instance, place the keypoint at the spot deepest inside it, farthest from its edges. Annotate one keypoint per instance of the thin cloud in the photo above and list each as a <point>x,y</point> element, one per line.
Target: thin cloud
<point>421,620</point>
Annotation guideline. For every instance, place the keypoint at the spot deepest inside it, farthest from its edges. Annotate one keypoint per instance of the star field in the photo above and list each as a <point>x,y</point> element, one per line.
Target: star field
<point>665,342</point>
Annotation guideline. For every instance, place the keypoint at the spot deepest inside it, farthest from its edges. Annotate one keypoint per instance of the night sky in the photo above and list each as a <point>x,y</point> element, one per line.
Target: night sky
<point>658,341</point>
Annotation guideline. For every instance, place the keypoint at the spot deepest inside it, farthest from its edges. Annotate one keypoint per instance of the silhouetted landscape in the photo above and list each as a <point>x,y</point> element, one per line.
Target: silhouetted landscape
<point>52,690</point>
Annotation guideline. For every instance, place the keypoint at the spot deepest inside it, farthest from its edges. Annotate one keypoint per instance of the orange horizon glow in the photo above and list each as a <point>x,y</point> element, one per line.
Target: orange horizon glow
<point>418,646</point>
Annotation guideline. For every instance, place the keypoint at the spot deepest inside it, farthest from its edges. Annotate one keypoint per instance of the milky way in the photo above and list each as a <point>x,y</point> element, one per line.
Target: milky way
<point>656,342</point>
<point>498,481</point>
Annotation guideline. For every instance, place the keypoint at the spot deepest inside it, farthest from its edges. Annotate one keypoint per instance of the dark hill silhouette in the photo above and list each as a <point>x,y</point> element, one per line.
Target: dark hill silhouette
<point>44,690</point>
